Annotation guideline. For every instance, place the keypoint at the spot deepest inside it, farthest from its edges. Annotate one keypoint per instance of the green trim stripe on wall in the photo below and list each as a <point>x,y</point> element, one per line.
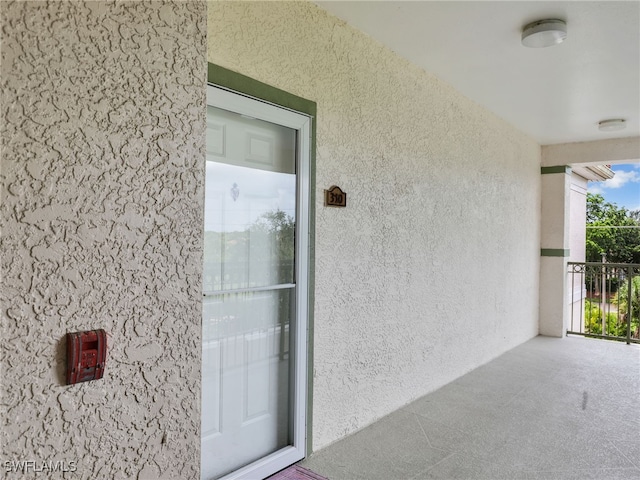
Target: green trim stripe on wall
<point>248,86</point>
<point>555,169</point>
<point>554,252</point>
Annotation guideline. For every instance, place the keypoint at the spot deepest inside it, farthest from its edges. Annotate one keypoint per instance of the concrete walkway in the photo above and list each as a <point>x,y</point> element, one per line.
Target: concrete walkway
<point>548,409</point>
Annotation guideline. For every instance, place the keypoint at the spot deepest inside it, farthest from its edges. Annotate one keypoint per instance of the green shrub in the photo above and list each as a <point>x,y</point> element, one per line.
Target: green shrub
<point>615,325</point>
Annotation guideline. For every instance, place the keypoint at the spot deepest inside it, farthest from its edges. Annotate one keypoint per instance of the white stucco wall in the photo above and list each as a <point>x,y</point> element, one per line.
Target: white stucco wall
<point>578,219</point>
<point>577,249</point>
<point>555,211</point>
<point>599,152</point>
<point>433,267</point>
<point>103,121</point>
<point>554,236</point>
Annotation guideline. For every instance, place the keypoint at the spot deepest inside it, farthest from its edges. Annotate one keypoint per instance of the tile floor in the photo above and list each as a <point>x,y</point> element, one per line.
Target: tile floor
<point>565,409</point>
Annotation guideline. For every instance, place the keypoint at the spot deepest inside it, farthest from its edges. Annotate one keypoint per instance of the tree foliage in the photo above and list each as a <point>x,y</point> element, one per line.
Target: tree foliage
<point>280,228</point>
<point>621,245</point>
<point>621,298</point>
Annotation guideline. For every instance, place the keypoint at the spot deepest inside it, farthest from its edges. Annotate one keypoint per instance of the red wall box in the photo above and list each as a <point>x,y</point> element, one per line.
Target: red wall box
<point>86,355</point>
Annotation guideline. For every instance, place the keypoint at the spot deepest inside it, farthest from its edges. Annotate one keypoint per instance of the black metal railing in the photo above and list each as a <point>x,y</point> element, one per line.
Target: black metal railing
<point>605,300</point>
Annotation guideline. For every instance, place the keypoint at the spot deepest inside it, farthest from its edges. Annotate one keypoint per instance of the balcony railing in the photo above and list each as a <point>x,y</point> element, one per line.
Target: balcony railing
<point>605,300</point>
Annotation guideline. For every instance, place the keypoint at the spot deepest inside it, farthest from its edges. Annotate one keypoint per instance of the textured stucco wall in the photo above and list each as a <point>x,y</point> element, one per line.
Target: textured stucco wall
<point>433,267</point>
<point>103,118</point>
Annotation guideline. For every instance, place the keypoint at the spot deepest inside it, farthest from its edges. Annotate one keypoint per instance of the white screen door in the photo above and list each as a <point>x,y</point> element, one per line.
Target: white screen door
<point>255,287</point>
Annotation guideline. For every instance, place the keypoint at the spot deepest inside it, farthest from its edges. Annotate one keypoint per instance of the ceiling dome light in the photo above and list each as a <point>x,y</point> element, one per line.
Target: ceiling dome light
<point>544,33</point>
<point>612,125</point>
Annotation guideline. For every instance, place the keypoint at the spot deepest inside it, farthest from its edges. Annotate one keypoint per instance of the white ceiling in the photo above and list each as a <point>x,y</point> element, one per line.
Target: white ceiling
<point>556,94</point>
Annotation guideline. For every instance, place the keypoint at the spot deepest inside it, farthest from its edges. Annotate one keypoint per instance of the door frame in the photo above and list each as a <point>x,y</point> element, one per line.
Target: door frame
<point>241,93</point>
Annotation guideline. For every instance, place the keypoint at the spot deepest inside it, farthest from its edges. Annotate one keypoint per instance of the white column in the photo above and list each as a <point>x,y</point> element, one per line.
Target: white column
<point>554,250</point>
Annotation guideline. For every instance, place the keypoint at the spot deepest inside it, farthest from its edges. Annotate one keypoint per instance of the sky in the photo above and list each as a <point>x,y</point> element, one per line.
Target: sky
<point>623,189</point>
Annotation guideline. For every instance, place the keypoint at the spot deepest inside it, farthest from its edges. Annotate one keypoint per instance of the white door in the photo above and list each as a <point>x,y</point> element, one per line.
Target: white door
<point>255,290</point>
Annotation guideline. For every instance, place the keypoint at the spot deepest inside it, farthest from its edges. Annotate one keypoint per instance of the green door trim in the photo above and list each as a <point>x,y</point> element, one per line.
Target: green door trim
<point>237,82</point>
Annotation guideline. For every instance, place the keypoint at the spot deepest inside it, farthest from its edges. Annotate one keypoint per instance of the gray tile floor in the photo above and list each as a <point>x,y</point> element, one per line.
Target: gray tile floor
<point>566,409</point>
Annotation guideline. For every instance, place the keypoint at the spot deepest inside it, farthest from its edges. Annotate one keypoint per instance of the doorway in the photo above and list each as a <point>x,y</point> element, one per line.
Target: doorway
<point>255,292</point>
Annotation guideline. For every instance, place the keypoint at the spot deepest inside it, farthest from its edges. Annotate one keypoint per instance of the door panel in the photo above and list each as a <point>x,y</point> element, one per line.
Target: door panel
<point>245,378</point>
